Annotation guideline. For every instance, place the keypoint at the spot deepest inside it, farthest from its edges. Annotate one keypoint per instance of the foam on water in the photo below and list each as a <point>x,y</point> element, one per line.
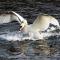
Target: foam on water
<point>18,35</point>
<point>11,36</point>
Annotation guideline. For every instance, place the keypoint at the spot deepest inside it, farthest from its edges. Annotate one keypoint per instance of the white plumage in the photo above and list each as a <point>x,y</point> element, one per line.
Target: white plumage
<point>40,24</point>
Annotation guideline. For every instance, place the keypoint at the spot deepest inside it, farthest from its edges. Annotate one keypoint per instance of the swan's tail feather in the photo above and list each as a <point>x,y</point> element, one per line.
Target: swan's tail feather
<point>6,18</point>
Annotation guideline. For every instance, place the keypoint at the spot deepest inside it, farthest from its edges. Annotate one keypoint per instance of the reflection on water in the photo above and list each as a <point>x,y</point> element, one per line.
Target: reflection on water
<point>28,50</point>
<point>46,49</point>
<point>39,49</point>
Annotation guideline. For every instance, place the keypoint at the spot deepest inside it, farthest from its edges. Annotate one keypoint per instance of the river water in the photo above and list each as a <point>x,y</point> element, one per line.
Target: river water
<point>18,49</point>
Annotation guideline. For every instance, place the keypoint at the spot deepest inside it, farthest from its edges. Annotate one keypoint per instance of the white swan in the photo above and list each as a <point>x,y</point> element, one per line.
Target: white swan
<point>34,30</point>
<point>40,24</point>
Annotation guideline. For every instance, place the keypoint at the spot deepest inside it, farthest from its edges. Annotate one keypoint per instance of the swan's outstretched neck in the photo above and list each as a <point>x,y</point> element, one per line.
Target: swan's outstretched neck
<point>19,17</point>
<point>22,21</point>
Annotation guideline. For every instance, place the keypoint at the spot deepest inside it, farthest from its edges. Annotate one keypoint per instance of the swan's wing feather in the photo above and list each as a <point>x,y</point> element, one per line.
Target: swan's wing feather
<point>5,18</point>
<point>41,23</point>
<point>54,21</point>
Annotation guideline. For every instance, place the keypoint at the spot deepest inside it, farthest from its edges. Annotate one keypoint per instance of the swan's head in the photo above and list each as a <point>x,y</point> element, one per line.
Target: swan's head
<point>23,24</point>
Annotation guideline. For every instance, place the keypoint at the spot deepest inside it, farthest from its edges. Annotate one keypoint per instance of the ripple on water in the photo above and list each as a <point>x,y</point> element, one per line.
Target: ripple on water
<point>46,49</point>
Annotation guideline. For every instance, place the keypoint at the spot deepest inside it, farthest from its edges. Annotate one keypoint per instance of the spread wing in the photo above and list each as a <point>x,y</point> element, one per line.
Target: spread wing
<point>54,21</point>
<point>42,23</point>
<point>6,18</point>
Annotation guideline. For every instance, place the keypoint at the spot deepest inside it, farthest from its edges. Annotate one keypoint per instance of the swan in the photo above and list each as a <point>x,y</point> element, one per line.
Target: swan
<point>40,24</point>
<point>34,30</point>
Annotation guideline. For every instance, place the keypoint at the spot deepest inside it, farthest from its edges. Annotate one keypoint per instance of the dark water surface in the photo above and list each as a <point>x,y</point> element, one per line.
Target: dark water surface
<point>47,49</point>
